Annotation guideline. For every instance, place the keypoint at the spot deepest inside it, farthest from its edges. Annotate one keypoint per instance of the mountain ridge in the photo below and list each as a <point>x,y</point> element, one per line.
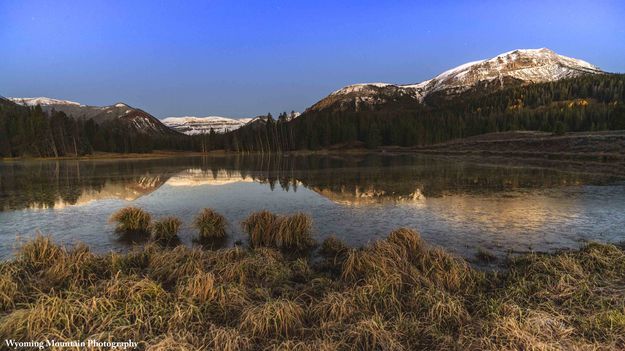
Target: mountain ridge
<point>192,125</point>
<point>137,119</point>
<point>517,67</point>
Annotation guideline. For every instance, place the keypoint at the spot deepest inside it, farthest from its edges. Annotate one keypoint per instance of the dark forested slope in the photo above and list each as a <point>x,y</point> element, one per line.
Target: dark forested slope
<point>586,103</point>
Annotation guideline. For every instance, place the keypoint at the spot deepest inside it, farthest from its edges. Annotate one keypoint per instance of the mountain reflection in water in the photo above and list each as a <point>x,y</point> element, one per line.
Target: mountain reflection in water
<point>350,181</point>
<point>458,204</point>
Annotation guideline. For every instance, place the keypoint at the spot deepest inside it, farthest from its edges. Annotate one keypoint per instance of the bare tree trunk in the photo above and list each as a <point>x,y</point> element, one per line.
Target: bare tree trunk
<point>53,144</point>
<point>75,148</point>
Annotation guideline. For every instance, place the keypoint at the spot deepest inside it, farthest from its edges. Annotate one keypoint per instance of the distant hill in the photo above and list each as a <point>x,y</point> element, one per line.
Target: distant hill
<point>203,125</point>
<point>139,120</point>
<point>41,128</point>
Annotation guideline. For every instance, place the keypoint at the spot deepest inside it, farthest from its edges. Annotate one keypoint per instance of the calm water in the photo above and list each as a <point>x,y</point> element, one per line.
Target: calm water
<point>457,204</point>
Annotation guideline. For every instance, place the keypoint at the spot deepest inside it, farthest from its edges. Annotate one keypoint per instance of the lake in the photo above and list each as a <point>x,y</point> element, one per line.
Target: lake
<point>460,204</point>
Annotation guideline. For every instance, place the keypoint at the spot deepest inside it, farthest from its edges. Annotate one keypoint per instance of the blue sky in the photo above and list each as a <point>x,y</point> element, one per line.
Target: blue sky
<point>245,58</point>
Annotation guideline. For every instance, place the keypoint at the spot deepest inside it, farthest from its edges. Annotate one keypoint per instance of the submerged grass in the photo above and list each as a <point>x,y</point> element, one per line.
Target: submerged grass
<point>131,220</point>
<point>292,232</point>
<point>165,230</point>
<point>262,228</point>
<point>210,224</point>
<point>395,294</point>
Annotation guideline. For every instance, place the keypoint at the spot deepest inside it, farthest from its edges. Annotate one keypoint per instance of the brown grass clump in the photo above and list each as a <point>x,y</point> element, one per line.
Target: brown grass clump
<point>73,267</point>
<point>409,240</point>
<point>131,220</point>
<point>211,225</point>
<point>283,232</point>
<point>227,339</point>
<point>336,306</point>
<point>261,228</point>
<point>199,287</point>
<point>56,266</point>
<point>357,264</point>
<point>277,318</point>
<point>332,247</point>
<point>371,334</point>
<point>229,301</point>
<point>294,232</point>
<point>165,230</point>
<point>262,267</point>
<point>9,285</point>
<point>39,253</point>
<point>171,265</point>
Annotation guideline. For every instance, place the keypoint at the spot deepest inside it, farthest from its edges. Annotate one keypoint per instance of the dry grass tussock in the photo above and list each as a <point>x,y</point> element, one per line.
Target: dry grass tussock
<point>165,230</point>
<point>210,224</point>
<point>292,232</point>
<point>131,220</point>
<point>395,294</point>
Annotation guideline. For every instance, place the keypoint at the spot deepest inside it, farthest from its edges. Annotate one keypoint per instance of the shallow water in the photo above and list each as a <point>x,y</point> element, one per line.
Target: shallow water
<point>458,204</point>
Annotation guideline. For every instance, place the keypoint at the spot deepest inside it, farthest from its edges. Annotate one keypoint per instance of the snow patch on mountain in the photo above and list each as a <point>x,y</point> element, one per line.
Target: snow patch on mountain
<point>43,101</point>
<point>356,88</point>
<point>202,125</point>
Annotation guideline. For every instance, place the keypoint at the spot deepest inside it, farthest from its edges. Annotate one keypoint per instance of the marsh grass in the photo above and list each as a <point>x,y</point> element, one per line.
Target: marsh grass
<point>199,287</point>
<point>278,318</point>
<point>131,220</point>
<point>210,225</point>
<point>293,232</point>
<point>165,230</point>
<point>261,228</point>
<point>394,294</point>
<point>332,247</point>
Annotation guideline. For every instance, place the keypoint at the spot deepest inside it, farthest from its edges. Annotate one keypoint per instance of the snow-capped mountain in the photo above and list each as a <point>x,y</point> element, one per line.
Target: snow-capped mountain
<point>203,125</point>
<point>516,67</point>
<point>138,120</point>
<point>43,101</point>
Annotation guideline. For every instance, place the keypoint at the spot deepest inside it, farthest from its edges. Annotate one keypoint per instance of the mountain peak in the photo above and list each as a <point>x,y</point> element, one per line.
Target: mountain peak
<point>521,66</point>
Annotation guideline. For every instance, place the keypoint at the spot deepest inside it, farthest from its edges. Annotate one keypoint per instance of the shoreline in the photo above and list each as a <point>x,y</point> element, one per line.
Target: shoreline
<point>117,156</point>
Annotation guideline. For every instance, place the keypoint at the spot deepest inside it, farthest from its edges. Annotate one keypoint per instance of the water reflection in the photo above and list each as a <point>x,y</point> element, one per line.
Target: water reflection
<point>455,203</point>
<point>345,180</point>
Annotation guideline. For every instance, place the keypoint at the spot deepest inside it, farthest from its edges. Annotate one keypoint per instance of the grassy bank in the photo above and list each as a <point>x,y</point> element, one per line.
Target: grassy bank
<point>396,294</point>
<point>603,146</point>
